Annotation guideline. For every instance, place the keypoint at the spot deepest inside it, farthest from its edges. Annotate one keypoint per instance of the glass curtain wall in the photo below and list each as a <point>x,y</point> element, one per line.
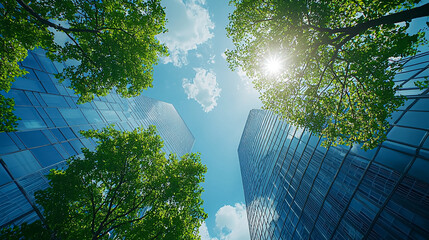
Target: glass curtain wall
<point>48,132</point>
<point>295,189</point>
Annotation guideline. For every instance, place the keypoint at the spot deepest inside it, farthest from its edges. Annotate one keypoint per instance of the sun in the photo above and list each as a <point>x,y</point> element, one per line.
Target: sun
<point>273,65</point>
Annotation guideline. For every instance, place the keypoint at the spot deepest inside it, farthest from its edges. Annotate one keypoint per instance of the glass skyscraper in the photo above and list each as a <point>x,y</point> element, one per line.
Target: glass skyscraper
<point>296,189</point>
<point>49,132</point>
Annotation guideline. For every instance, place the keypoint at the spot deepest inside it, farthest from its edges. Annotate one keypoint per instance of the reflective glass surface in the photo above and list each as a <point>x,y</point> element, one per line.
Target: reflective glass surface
<point>296,189</point>
<point>49,131</point>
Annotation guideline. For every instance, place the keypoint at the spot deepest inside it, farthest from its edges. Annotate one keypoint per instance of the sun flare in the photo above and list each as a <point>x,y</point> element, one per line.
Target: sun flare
<point>273,65</point>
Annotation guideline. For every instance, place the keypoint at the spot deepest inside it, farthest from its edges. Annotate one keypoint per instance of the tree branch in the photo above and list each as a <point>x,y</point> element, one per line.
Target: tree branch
<point>398,17</point>
<point>68,30</point>
<point>50,24</point>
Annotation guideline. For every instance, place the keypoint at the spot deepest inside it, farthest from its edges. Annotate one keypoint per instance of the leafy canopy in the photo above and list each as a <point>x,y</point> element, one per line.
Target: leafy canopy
<point>337,61</point>
<point>113,42</point>
<point>126,188</point>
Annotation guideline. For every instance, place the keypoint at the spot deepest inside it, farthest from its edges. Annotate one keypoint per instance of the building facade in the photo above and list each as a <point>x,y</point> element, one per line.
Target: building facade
<point>296,189</point>
<point>48,132</point>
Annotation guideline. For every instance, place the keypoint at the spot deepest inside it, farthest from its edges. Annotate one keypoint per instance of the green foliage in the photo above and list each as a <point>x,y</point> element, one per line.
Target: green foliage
<point>126,188</point>
<point>8,120</point>
<point>32,231</point>
<point>337,61</point>
<point>17,35</point>
<point>113,42</point>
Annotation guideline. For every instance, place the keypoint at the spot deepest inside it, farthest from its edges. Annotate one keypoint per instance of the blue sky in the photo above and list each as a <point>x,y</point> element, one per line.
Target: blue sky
<point>213,101</point>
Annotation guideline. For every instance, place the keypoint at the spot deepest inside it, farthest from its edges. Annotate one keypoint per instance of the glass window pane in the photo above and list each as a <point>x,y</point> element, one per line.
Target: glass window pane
<point>16,140</point>
<point>58,135</point>
<point>92,115</point>
<point>68,133</point>
<point>47,155</point>
<point>54,100</point>
<point>40,99</point>
<point>62,151</point>
<point>101,105</point>
<point>415,119</point>
<point>73,116</point>
<point>33,138</point>
<point>50,136</point>
<point>50,87</point>
<point>77,145</point>
<point>19,97</point>
<point>4,176</point>
<point>14,205</point>
<point>420,170</point>
<point>30,119</point>
<point>32,98</point>
<point>393,159</point>
<point>31,62</point>
<point>47,64</point>
<point>6,144</point>
<point>27,84</point>
<point>42,76</point>
<point>406,135</point>
<point>422,104</point>
<point>21,163</point>
<point>69,148</point>
<point>56,117</point>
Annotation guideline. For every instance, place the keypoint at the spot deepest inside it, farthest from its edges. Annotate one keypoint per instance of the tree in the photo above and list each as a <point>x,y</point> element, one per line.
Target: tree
<point>126,188</point>
<point>8,120</point>
<point>113,42</point>
<point>335,61</point>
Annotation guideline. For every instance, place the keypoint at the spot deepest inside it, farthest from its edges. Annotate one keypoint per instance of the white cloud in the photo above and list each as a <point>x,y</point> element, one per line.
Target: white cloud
<point>244,78</point>
<point>212,59</point>
<point>203,89</point>
<point>232,222</point>
<point>189,25</point>
<point>204,232</point>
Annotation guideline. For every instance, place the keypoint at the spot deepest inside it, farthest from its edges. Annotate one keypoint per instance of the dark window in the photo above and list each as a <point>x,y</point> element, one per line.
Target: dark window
<point>58,135</point>
<point>47,155</point>
<point>4,177</point>
<point>33,138</point>
<point>420,169</point>
<point>6,144</point>
<point>406,135</point>
<point>68,133</point>
<point>50,87</point>
<point>50,136</point>
<point>393,159</point>
<point>69,148</point>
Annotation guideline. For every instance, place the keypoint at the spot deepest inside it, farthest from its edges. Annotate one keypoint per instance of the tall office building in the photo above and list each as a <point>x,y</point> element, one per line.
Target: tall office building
<point>49,132</point>
<point>296,189</point>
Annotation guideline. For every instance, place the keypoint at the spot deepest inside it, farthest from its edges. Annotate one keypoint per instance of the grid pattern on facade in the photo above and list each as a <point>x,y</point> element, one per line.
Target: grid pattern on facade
<point>49,132</point>
<point>295,189</point>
